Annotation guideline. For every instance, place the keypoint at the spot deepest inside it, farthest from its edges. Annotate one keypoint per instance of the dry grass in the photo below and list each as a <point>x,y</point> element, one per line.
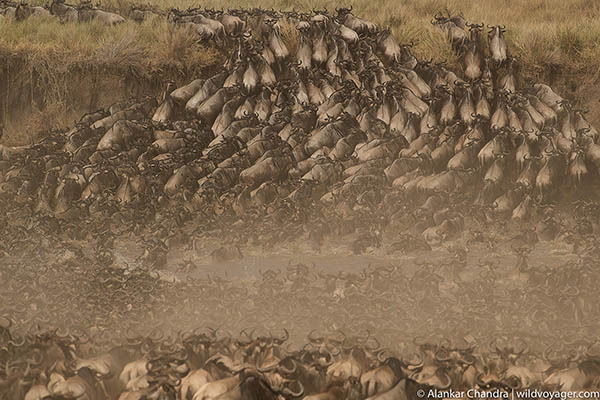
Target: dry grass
<point>151,44</point>
<point>556,33</point>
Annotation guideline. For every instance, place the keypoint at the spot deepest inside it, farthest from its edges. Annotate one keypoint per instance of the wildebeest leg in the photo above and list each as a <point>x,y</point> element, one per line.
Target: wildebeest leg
<point>103,387</point>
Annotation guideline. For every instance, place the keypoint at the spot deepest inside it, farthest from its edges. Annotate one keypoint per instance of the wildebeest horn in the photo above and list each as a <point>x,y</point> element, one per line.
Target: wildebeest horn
<point>418,364</point>
<point>471,360</point>
<point>441,359</point>
<point>10,323</point>
<point>17,344</point>
<point>420,343</point>
<point>588,347</point>
<point>347,346</point>
<point>525,348</point>
<point>160,336</point>
<point>364,339</point>
<point>268,369</point>
<point>376,346</point>
<point>286,335</point>
<point>447,385</point>
<point>37,358</point>
<point>316,339</point>
<point>245,333</point>
<point>380,356</point>
<point>290,393</point>
<point>288,370</point>
<point>330,361</point>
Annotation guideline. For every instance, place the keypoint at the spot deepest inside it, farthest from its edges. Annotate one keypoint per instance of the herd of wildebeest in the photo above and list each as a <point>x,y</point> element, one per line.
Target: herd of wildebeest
<point>129,334</point>
<point>319,126</point>
<point>350,118</point>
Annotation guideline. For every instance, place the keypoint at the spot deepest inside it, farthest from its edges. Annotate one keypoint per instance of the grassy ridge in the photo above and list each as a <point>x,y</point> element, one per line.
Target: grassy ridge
<point>559,34</point>
<point>557,41</point>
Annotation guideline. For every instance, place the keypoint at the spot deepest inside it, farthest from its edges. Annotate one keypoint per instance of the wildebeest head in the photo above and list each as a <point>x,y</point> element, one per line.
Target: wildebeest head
<point>256,386</point>
<point>5,335</point>
<point>496,30</point>
<point>475,31</point>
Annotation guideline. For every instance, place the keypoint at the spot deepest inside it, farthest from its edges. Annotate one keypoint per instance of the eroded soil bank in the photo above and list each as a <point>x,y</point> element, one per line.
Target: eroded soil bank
<point>37,96</point>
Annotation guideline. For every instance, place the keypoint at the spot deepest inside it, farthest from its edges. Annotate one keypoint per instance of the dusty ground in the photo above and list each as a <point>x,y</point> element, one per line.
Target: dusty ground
<point>396,292</point>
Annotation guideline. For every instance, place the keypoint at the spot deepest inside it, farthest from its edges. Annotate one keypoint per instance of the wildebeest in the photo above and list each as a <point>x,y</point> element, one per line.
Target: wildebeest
<point>497,43</point>
<point>65,12</point>
<point>24,11</point>
<point>88,13</point>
